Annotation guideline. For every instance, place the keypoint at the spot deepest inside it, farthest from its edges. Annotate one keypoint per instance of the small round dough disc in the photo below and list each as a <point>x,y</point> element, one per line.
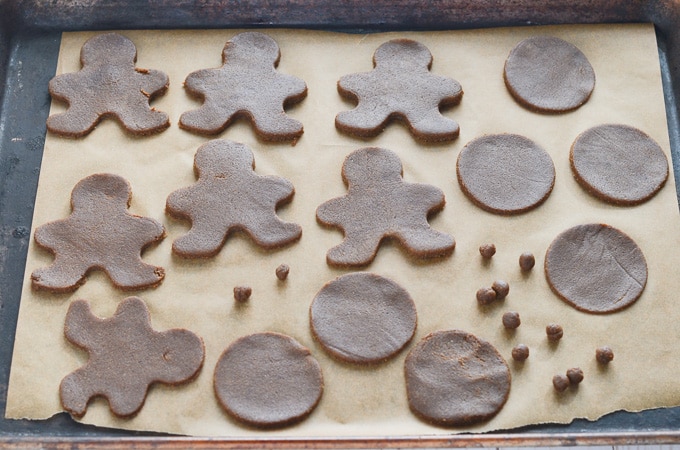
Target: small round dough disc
<point>268,380</point>
<point>549,75</point>
<point>363,318</point>
<point>596,268</point>
<point>618,164</point>
<point>454,378</point>
<point>505,173</point>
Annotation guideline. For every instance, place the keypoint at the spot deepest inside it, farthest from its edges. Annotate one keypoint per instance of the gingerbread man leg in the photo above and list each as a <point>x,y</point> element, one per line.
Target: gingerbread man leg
<point>276,125</point>
<point>434,125</point>
<point>357,249</point>
<point>63,275</point>
<point>274,233</point>
<point>202,241</point>
<point>134,272</point>
<point>76,392</point>
<point>427,242</point>
<point>362,120</point>
<point>208,119</point>
<point>77,121</point>
<point>141,120</point>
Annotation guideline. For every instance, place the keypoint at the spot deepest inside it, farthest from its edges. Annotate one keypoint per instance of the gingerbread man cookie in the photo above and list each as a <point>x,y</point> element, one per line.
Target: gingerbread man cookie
<point>125,357</point>
<point>108,85</point>
<point>247,85</point>
<point>230,196</point>
<point>380,204</point>
<point>400,86</point>
<point>99,234</point>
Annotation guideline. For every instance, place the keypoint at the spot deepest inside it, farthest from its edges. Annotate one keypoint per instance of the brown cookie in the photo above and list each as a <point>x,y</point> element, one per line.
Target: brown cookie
<point>247,85</point>
<point>400,87</point>
<point>454,378</point>
<point>363,318</point>
<point>380,204</point>
<point>227,197</point>
<point>99,234</point>
<point>108,85</point>
<point>596,268</point>
<point>505,173</point>
<point>268,380</point>
<point>126,356</point>
<point>548,75</point>
<point>618,164</point>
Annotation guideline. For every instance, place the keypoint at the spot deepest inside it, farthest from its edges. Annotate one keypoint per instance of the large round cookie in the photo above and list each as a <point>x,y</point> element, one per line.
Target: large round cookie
<point>454,378</point>
<point>596,268</point>
<point>505,173</point>
<point>618,164</point>
<point>268,380</point>
<point>363,318</point>
<point>549,75</point>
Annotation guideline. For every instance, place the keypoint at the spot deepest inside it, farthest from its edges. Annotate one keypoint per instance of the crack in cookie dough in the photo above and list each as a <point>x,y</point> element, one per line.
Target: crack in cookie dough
<point>549,75</point>
<point>380,204</point>
<point>246,85</point>
<point>505,173</point>
<point>454,378</point>
<point>268,380</point>
<point>596,268</point>
<point>618,164</point>
<point>227,197</point>
<point>126,356</point>
<point>363,318</point>
<point>108,85</point>
<point>400,86</point>
<point>99,234</point>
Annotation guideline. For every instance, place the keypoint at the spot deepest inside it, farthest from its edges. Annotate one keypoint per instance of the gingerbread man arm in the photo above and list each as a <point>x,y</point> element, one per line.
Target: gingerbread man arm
<point>65,274</point>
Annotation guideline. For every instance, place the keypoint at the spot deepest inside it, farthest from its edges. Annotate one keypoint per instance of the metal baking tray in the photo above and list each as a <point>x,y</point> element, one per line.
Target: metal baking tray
<point>30,33</point>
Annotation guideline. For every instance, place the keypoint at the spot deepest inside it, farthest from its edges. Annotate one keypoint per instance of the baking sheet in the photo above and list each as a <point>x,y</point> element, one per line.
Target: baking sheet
<point>486,108</point>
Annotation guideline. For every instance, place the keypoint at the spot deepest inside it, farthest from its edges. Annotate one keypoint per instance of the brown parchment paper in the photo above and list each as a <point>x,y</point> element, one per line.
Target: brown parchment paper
<point>363,401</point>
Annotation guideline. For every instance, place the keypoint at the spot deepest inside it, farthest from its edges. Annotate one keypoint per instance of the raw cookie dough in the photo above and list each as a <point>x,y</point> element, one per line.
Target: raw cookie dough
<point>618,164</point>
<point>505,173</point>
<point>548,75</point>
<point>596,268</point>
<point>108,85</point>
<point>247,85</point>
<point>229,196</point>
<point>454,378</point>
<point>268,380</point>
<point>99,234</point>
<point>400,87</point>
<point>126,356</point>
<point>380,204</point>
<point>363,318</point>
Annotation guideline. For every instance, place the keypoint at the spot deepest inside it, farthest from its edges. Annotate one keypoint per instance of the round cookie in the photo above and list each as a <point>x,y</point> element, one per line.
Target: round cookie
<point>505,173</point>
<point>454,378</point>
<point>618,164</point>
<point>596,268</point>
<point>548,75</point>
<point>363,318</point>
<point>268,380</point>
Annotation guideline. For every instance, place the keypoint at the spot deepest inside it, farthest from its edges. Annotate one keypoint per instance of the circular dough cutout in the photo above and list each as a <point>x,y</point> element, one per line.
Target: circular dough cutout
<point>363,318</point>
<point>505,173</point>
<point>618,164</point>
<point>268,380</point>
<point>454,378</point>
<point>596,268</point>
<point>549,75</point>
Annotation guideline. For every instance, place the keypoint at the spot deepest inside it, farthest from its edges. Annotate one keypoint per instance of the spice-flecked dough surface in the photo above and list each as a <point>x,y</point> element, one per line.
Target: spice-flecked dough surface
<point>268,380</point>
<point>363,318</point>
<point>596,268</point>
<point>454,378</point>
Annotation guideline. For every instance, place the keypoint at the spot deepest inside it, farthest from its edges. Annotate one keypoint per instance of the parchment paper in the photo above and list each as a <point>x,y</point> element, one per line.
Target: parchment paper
<point>362,401</point>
